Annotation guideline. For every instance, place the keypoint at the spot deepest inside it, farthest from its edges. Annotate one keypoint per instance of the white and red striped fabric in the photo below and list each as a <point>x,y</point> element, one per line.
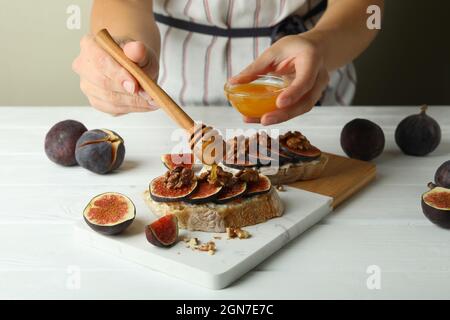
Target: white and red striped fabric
<point>195,67</point>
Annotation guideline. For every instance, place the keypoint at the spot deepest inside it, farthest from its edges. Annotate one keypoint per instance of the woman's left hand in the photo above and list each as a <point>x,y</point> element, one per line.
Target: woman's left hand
<point>298,59</point>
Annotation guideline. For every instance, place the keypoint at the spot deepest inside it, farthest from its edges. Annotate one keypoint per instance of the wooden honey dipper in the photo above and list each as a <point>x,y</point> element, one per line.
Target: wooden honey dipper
<point>206,143</point>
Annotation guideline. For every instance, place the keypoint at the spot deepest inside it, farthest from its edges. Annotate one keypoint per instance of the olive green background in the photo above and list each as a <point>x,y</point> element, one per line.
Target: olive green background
<point>408,64</point>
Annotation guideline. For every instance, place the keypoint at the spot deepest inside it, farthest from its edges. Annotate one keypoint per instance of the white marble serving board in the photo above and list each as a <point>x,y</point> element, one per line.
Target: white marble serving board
<point>233,257</point>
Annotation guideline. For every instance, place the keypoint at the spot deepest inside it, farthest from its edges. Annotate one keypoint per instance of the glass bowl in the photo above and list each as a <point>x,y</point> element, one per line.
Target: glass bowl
<point>255,98</point>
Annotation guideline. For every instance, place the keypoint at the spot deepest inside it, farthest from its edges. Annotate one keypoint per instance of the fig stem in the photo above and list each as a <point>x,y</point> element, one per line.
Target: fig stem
<point>431,185</point>
<point>423,109</point>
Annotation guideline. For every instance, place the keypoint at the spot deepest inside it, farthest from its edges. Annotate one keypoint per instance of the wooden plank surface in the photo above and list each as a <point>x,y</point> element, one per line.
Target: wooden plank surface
<point>341,179</point>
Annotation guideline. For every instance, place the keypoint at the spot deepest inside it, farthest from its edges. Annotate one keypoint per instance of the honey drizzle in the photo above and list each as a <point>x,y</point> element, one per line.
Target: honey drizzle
<point>213,174</point>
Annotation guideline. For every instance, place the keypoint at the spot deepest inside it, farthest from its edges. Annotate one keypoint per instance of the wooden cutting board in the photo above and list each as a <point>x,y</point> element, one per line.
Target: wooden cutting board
<point>342,178</point>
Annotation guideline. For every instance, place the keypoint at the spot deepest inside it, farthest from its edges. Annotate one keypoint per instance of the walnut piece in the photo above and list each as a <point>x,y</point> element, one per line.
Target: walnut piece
<point>195,244</point>
<point>237,233</point>
<point>243,234</point>
<point>209,246</point>
<point>248,175</point>
<point>295,140</point>
<point>223,178</point>
<point>179,177</point>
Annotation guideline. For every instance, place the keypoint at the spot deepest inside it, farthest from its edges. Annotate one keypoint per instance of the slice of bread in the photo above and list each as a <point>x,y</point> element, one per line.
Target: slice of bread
<point>211,217</point>
<point>296,171</point>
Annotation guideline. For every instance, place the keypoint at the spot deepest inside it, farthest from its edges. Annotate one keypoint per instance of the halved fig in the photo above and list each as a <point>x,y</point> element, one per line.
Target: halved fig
<point>239,163</point>
<point>163,232</point>
<point>295,145</point>
<point>261,186</point>
<point>237,153</point>
<point>109,213</point>
<point>257,151</point>
<point>233,192</point>
<point>436,205</point>
<point>305,155</point>
<point>270,147</point>
<point>280,157</point>
<point>204,192</point>
<point>173,160</point>
<point>442,175</point>
<point>161,193</point>
<point>260,158</point>
<point>272,157</point>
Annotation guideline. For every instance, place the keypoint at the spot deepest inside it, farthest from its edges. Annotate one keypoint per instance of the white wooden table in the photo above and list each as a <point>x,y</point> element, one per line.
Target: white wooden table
<point>383,226</point>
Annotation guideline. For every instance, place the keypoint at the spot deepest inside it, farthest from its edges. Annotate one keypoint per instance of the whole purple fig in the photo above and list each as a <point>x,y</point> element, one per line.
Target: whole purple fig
<point>419,134</point>
<point>442,176</point>
<point>61,140</point>
<point>362,139</point>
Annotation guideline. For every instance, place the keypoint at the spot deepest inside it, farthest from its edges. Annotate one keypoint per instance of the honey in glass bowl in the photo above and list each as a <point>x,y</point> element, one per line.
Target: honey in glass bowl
<point>255,98</point>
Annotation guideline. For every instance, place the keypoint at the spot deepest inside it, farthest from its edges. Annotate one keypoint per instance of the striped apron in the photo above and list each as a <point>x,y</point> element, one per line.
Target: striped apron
<point>205,42</point>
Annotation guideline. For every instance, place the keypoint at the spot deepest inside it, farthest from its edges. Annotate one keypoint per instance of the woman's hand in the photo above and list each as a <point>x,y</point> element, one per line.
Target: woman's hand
<point>107,85</point>
<point>298,59</point>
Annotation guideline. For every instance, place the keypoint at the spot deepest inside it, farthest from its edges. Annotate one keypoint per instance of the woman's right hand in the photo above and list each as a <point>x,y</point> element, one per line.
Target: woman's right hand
<point>107,85</point>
